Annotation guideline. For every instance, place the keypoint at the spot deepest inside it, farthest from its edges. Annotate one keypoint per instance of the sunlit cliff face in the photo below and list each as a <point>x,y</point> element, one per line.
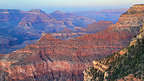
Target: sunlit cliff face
<point>121,65</point>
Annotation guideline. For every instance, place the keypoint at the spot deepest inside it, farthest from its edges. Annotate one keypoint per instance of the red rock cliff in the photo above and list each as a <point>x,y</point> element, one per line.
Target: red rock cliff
<point>51,59</point>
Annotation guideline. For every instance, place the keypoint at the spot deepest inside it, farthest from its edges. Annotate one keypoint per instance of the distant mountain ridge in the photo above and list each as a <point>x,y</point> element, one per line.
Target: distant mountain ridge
<point>103,15</point>
<point>19,26</point>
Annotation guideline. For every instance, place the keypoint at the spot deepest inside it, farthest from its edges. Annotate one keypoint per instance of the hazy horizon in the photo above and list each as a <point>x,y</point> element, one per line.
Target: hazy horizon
<point>68,6</point>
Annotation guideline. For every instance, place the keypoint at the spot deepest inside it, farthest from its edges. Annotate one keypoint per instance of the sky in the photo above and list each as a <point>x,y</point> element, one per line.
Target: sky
<point>67,5</point>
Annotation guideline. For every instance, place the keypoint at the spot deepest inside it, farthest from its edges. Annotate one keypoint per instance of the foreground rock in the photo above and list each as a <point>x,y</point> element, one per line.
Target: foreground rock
<point>125,65</point>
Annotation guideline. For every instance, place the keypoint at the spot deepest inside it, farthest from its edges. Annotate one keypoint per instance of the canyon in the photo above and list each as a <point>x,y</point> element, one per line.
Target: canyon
<point>53,59</point>
<point>20,28</point>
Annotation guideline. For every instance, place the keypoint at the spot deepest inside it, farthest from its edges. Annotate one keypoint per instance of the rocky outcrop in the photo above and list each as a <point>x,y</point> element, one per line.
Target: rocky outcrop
<point>131,20</point>
<point>98,26</point>
<point>125,65</point>
<point>130,77</point>
<point>43,61</point>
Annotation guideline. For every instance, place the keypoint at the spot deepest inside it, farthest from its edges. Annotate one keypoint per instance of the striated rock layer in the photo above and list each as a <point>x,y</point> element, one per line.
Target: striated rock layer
<point>19,27</point>
<point>51,59</point>
<point>54,59</point>
<point>125,65</point>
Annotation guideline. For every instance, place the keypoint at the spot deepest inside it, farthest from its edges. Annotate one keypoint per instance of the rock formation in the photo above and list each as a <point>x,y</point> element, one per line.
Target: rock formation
<point>52,59</point>
<point>98,26</point>
<point>19,26</point>
<point>22,27</point>
<point>127,64</point>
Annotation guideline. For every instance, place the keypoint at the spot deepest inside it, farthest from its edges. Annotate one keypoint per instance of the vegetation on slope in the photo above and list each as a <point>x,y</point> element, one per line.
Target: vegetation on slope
<point>128,61</point>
